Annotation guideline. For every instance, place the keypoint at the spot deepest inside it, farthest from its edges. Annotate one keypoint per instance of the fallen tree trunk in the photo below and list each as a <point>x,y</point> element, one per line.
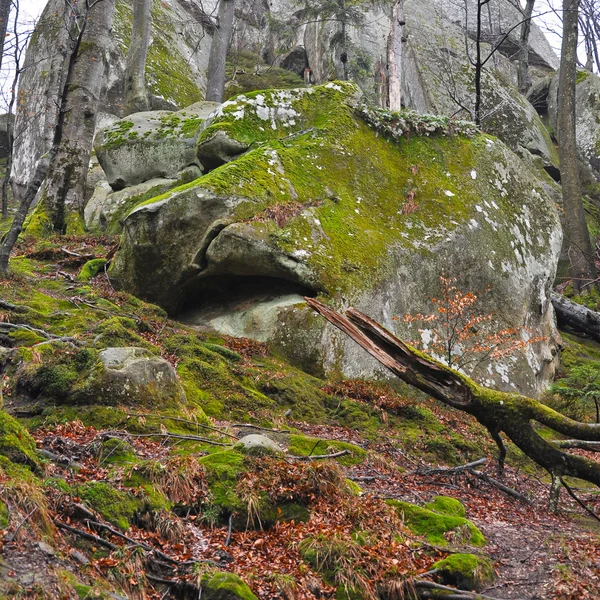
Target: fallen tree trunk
<point>576,318</point>
<point>499,412</point>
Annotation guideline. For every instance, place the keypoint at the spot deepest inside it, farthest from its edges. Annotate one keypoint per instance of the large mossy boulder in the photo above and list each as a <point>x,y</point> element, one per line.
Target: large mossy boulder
<point>225,586</point>
<point>466,571</point>
<point>305,197</point>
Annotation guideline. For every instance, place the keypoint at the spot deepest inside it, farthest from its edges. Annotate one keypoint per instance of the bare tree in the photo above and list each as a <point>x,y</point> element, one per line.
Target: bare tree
<point>523,67</point>
<point>136,96</point>
<point>215,85</point>
<point>64,193</point>
<point>4,15</point>
<point>581,256</point>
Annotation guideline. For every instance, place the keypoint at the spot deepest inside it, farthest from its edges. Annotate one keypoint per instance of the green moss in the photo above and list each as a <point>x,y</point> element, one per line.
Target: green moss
<point>119,508</point>
<point>15,442</point>
<point>223,470</point>
<point>116,451</point>
<point>435,527</point>
<point>466,571</point>
<point>24,337</point>
<point>225,586</point>
<point>4,515</point>
<point>91,269</point>
<point>447,506</point>
<point>301,445</point>
<point>582,75</point>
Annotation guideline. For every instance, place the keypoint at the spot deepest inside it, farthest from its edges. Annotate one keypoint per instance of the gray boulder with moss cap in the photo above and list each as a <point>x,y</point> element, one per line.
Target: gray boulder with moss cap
<point>135,376</point>
<point>322,203</point>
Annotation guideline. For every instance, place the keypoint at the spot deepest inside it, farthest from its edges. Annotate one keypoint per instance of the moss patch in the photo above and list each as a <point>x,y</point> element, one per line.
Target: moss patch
<point>225,586</point>
<point>466,571</point>
<point>15,442</point>
<point>447,506</point>
<point>301,445</point>
<point>91,269</point>
<point>119,508</point>
<point>438,528</point>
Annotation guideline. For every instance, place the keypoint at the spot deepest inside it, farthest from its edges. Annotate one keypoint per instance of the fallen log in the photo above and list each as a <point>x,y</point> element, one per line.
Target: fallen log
<point>499,412</point>
<point>576,318</point>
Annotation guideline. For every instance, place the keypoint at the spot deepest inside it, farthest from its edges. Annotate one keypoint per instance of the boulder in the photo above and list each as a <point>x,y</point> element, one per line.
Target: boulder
<point>587,120</point>
<point>4,138</point>
<point>151,145</point>
<point>257,444</point>
<point>330,203</point>
<point>133,376</point>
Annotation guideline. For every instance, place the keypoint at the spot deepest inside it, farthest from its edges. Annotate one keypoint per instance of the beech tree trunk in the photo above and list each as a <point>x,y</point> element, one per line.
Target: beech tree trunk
<point>499,412</point>
<point>576,318</point>
<point>4,14</point>
<point>136,95</point>
<point>523,67</point>
<point>215,85</point>
<point>64,195</point>
<point>577,237</point>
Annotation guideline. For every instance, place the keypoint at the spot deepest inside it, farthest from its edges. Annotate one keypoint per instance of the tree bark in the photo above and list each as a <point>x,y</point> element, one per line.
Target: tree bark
<point>523,67</point>
<point>136,95</point>
<point>577,237</point>
<point>215,85</point>
<point>64,195</point>
<point>4,14</point>
<point>576,318</point>
<point>497,411</point>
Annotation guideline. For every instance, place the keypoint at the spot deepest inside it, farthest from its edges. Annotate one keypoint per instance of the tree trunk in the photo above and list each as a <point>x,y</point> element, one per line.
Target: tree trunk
<point>215,85</point>
<point>479,62</point>
<point>577,237</point>
<point>64,195</point>
<point>523,67</point>
<point>498,412</point>
<point>4,14</point>
<point>136,96</point>
<point>394,58</point>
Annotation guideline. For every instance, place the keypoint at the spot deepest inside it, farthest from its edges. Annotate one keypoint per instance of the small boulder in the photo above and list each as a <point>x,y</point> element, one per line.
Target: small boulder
<point>149,145</point>
<point>134,375</point>
<point>256,444</point>
<point>466,571</point>
<point>225,586</point>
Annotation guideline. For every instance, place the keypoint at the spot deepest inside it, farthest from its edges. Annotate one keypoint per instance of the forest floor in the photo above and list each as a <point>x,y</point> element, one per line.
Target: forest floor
<point>114,550</point>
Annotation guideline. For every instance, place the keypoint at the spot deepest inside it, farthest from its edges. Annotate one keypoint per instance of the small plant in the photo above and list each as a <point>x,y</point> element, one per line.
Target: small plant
<point>460,335</point>
<point>576,391</point>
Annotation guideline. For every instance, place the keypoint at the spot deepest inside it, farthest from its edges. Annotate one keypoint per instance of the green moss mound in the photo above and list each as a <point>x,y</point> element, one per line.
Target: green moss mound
<point>436,527</point>
<point>119,508</point>
<point>447,506</point>
<point>225,586</point>
<point>302,445</point>
<point>15,442</point>
<point>466,571</point>
<point>91,269</point>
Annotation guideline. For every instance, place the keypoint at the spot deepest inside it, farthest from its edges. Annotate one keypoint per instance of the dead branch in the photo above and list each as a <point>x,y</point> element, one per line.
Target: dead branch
<point>194,423</point>
<point>576,318</point>
<point>427,589</point>
<point>451,470</point>
<point>510,413</point>
<point>176,436</point>
<point>582,445</point>
<point>323,456</point>
<point>85,534</point>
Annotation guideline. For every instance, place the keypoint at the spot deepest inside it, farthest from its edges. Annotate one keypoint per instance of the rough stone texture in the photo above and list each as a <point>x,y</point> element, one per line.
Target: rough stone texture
<point>105,208</point>
<point>258,444</point>
<point>150,145</point>
<point>321,204</point>
<point>4,134</point>
<point>588,118</point>
<point>134,376</point>
<point>175,71</point>
<point>440,79</point>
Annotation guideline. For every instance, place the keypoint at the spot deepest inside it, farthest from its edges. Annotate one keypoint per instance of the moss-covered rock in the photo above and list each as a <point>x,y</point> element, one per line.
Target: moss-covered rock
<point>4,515</point>
<point>15,442</point>
<point>447,506</point>
<point>91,269</point>
<point>225,586</point>
<point>119,508</point>
<point>436,527</point>
<point>321,203</point>
<point>466,571</point>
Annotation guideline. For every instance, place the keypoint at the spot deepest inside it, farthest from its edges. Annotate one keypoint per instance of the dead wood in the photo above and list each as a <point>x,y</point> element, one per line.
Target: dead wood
<point>451,470</point>
<point>510,413</point>
<point>576,318</point>
<point>322,456</point>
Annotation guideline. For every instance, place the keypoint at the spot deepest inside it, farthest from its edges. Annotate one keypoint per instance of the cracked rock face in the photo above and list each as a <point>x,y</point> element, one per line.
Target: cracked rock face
<point>322,204</point>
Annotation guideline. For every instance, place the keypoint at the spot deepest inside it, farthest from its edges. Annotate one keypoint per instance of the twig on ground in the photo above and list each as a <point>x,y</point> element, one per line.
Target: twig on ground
<point>85,534</point>
<point>579,501</point>
<point>322,456</point>
<point>168,418</point>
<point>451,470</point>
<point>177,436</point>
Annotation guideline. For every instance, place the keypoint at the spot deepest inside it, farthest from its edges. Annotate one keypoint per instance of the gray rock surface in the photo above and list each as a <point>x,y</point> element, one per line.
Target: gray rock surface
<point>257,444</point>
<point>587,118</point>
<point>150,145</point>
<point>135,376</point>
